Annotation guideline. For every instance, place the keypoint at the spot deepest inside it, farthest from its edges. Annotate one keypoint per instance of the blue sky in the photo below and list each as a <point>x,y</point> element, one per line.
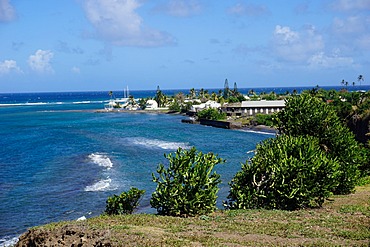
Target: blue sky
<point>88,45</point>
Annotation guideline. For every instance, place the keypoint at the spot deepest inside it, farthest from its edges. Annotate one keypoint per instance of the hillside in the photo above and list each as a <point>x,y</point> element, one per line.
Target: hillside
<point>343,221</point>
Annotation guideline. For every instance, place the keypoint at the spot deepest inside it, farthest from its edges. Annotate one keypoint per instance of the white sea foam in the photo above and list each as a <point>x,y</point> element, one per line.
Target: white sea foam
<point>81,218</point>
<point>82,102</point>
<point>101,160</point>
<point>8,241</point>
<point>155,143</point>
<point>102,185</point>
<point>259,132</point>
<point>51,103</point>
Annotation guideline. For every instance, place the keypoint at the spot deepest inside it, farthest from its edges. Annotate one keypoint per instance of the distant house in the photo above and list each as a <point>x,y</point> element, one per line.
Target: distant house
<point>208,104</point>
<point>251,108</point>
<point>151,105</point>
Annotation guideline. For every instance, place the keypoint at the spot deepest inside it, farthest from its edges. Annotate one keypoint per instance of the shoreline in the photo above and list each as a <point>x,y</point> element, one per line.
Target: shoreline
<point>262,129</point>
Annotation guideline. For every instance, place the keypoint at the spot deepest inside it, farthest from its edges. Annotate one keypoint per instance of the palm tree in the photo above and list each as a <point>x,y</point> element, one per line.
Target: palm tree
<point>201,93</point>
<point>160,97</point>
<point>214,97</point>
<point>360,78</point>
<point>192,93</point>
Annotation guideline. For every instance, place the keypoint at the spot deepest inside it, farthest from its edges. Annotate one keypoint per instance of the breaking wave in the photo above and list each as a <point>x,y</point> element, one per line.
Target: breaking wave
<point>52,103</point>
<point>101,160</point>
<point>155,143</point>
<point>102,185</point>
<point>8,241</point>
<point>259,132</point>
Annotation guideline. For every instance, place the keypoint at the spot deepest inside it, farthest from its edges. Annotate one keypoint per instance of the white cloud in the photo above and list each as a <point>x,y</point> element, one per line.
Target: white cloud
<point>76,70</point>
<point>285,35</point>
<point>320,60</point>
<point>350,25</point>
<point>9,65</point>
<point>364,41</point>
<point>7,12</point>
<point>180,8</point>
<point>351,5</point>
<point>252,10</point>
<point>352,32</point>
<point>117,22</point>
<point>294,46</point>
<point>40,61</point>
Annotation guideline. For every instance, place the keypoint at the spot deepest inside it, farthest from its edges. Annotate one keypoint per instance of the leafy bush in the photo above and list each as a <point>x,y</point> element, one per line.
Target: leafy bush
<point>286,173</point>
<point>188,186</point>
<point>264,119</point>
<point>211,114</point>
<point>175,106</point>
<point>125,203</point>
<point>308,115</point>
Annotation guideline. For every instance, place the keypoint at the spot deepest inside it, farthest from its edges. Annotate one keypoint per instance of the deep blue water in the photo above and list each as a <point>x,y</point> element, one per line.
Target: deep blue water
<point>60,159</point>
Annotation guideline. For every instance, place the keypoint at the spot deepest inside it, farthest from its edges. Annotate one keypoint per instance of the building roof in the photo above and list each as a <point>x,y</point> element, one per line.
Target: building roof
<point>263,103</point>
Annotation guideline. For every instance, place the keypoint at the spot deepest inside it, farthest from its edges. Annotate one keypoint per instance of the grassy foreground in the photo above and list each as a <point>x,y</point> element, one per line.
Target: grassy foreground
<point>343,221</point>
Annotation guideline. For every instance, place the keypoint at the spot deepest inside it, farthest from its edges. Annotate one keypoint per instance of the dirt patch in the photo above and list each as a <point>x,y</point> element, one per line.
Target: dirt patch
<point>65,236</point>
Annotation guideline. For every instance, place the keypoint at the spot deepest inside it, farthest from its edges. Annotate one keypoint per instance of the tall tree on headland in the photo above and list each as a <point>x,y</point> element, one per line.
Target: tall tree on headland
<point>226,90</point>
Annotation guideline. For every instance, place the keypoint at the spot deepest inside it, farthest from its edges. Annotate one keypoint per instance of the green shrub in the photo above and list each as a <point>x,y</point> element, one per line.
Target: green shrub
<point>286,173</point>
<point>188,186</point>
<point>308,115</point>
<point>264,119</point>
<point>125,203</point>
<point>211,114</point>
<point>175,106</point>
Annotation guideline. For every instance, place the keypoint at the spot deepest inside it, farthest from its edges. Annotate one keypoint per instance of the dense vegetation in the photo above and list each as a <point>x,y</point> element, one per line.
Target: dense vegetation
<point>286,172</point>
<point>188,186</point>
<point>314,156</point>
<point>125,203</point>
<point>308,115</point>
<point>211,114</point>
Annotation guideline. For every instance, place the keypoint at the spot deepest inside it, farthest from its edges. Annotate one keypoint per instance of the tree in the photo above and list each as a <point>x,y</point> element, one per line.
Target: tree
<point>192,93</point>
<point>175,106</point>
<point>308,115</point>
<point>188,186</point>
<point>214,96</point>
<point>226,90</point>
<point>125,203</point>
<point>160,98</point>
<point>235,91</point>
<point>287,173</point>
<point>211,114</point>
<point>360,78</point>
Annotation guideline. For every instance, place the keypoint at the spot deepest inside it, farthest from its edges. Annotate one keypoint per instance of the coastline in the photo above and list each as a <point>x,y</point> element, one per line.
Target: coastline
<point>263,129</point>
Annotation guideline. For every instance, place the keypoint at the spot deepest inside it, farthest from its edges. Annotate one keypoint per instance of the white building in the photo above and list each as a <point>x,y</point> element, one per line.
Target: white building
<point>151,105</point>
<point>208,104</point>
<point>251,108</point>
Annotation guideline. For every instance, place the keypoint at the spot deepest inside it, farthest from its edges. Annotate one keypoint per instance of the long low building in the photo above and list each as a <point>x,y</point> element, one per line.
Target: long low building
<point>251,108</point>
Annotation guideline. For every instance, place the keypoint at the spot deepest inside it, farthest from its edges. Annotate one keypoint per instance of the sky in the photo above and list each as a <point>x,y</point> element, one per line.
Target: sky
<point>97,45</point>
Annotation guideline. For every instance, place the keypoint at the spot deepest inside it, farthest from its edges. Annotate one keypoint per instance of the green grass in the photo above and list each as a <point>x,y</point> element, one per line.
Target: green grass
<point>343,221</point>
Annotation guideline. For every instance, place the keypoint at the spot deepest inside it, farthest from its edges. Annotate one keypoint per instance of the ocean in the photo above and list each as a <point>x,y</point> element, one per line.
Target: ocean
<point>60,159</point>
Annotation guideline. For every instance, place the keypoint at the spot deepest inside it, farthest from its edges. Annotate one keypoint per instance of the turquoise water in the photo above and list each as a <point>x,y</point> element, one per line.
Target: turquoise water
<point>59,162</point>
<point>60,159</point>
